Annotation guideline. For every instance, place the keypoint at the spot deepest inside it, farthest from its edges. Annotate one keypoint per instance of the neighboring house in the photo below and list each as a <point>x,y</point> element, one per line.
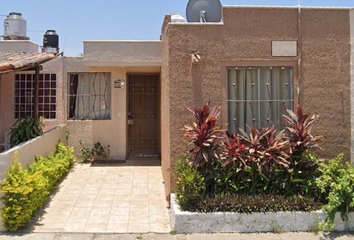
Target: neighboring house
<point>18,59</point>
<point>133,95</point>
<point>256,62</point>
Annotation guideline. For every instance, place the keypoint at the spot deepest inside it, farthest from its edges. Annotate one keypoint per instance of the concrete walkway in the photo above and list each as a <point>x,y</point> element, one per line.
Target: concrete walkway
<point>107,199</point>
<point>152,236</point>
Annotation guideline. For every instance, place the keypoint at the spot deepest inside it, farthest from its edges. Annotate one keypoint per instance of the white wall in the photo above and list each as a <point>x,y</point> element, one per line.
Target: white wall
<point>40,146</point>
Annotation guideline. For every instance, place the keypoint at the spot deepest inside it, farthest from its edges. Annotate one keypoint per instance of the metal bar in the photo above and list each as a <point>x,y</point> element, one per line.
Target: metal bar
<point>36,93</point>
<point>290,100</point>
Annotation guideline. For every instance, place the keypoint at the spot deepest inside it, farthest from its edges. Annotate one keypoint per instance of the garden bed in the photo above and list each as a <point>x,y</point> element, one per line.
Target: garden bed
<point>190,222</point>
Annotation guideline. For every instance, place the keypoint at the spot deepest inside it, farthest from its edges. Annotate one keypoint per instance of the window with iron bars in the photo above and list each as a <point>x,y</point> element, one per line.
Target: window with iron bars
<point>89,96</point>
<point>24,95</point>
<point>258,96</point>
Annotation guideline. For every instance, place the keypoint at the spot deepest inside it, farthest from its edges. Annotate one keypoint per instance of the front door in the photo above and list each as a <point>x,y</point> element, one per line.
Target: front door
<point>143,116</point>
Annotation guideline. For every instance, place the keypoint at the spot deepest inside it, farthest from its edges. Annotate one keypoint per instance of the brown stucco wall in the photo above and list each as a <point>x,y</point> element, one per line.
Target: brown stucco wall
<point>245,37</point>
<point>165,109</point>
<point>325,75</point>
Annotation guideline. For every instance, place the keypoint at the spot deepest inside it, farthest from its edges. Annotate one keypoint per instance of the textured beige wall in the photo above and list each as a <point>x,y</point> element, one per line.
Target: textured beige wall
<point>111,132</point>
<point>165,109</point>
<point>325,74</point>
<point>246,36</point>
<point>18,46</point>
<point>7,97</point>
<point>122,53</point>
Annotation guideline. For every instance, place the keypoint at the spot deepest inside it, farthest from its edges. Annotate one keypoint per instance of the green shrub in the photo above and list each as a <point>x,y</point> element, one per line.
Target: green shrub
<point>25,191</point>
<point>23,194</point>
<point>190,184</point>
<point>88,154</point>
<point>257,203</point>
<point>24,129</point>
<point>336,183</point>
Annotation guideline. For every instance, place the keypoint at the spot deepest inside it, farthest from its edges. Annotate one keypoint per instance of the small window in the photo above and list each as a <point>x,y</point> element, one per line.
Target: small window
<point>24,95</point>
<point>89,96</point>
<point>258,97</point>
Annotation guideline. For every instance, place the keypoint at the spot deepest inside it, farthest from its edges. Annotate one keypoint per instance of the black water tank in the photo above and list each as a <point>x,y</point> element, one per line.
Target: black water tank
<point>51,39</point>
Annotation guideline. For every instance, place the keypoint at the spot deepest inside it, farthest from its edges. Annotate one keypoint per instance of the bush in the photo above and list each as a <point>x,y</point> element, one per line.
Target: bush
<point>24,129</point>
<point>25,191</point>
<point>190,184</point>
<point>264,161</point>
<point>23,194</point>
<point>251,204</point>
<point>336,183</point>
<point>89,154</point>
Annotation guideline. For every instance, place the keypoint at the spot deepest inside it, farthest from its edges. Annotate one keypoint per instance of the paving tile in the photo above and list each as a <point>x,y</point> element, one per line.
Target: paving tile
<point>138,217</point>
<point>158,219</point>
<point>258,236</point>
<point>160,228</point>
<point>100,211</point>
<point>95,227</point>
<point>117,228</point>
<point>55,226</point>
<point>138,227</point>
<point>62,210</point>
<point>112,200</point>
<point>118,218</point>
<point>30,236</point>
<point>103,204</point>
<point>119,210</point>
<point>301,235</point>
<point>120,191</point>
<point>57,218</point>
<point>121,204</point>
<point>98,219</point>
<point>69,203</point>
<point>75,227</point>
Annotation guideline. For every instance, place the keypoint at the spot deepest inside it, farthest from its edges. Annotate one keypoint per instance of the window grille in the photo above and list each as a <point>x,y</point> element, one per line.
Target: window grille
<point>89,96</point>
<point>258,96</point>
<point>24,95</point>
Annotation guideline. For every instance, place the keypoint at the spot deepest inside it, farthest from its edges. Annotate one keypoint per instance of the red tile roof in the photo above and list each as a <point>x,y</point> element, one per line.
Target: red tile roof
<point>15,60</point>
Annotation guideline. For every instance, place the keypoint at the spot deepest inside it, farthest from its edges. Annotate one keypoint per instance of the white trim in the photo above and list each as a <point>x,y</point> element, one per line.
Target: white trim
<point>352,81</point>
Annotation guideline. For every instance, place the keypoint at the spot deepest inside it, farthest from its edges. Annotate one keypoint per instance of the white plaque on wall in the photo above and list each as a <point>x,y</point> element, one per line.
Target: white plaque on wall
<point>284,48</point>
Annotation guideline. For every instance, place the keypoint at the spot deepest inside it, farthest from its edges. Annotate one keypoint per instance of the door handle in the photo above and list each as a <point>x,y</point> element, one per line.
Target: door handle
<point>130,119</point>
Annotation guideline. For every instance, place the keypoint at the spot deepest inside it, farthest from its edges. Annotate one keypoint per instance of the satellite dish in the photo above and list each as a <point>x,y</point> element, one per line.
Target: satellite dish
<point>204,11</point>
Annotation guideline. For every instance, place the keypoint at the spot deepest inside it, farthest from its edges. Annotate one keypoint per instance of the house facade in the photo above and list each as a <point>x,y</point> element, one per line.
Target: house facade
<point>17,88</point>
<point>257,62</point>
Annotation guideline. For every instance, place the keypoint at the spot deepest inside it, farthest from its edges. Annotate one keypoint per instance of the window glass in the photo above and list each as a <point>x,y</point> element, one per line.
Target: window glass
<point>89,96</point>
<point>258,97</point>
<point>24,95</point>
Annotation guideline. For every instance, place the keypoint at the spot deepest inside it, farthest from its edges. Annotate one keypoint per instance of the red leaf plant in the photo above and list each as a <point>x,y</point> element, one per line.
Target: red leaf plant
<point>234,150</point>
<point>204,134</point>
<point>298,131</point>
<point>267,148</point>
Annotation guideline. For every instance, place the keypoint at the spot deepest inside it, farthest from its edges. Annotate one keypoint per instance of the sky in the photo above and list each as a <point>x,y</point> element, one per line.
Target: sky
<point>79,20</point>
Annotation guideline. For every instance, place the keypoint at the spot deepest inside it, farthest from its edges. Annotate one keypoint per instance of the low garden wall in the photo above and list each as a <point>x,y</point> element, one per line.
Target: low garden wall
<point>190,222</point>
<point>39,146</point>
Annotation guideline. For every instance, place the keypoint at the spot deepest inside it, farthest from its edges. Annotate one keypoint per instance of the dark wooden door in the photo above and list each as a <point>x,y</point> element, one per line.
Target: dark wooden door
<point>143,116</point>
